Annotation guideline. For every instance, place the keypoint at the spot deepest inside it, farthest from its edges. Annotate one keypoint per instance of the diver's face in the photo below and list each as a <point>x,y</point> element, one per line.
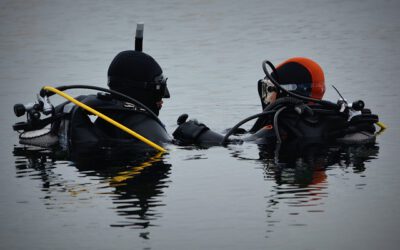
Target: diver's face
<point>268,92</point>
<point>159,104</point>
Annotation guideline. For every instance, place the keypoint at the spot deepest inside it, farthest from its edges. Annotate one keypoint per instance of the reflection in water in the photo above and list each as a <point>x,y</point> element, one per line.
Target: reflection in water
<point>300,172</point>
<point>134,182</point>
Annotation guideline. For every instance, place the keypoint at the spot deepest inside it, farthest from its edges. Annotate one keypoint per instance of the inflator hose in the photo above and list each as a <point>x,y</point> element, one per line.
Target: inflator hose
<point>278,136</point>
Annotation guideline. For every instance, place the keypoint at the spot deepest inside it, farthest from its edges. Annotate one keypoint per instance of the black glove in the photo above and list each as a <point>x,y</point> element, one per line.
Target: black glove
<point>188,131</point>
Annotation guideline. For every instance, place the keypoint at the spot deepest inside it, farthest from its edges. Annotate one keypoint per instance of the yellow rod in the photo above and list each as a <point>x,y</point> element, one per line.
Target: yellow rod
<point>106,118</point>
<point>381,125</point>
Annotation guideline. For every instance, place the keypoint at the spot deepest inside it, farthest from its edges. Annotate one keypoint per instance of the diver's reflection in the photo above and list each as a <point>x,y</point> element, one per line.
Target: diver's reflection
<point>301,163</point>
<point>136,180</point>
<point>138,185</point>
<point>300,170</point>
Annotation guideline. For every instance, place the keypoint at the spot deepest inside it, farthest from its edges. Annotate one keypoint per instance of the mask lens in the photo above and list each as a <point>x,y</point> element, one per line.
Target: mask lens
<point>264,89</point>
<point>161,86</point>
<point>303,89</point>
<point>267,90</point>
<point>166,92</point>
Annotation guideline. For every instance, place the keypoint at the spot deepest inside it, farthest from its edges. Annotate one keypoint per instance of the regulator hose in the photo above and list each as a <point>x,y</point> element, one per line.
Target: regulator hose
<point>284,101</point>
<point>44,92</point>
<point>233,129</point>
<point>288,100</point>
<point>278,136</point>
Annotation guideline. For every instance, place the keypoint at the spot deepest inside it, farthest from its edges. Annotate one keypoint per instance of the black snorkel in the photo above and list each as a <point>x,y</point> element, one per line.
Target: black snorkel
<point>139,37</point>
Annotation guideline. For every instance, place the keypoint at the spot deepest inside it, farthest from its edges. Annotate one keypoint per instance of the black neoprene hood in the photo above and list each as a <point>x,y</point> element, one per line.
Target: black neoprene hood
<point>139,76</point>
<point>132,65</point>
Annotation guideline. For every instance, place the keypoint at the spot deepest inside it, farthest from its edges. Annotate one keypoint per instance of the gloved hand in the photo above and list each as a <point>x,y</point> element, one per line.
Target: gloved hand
<point>188,131</point>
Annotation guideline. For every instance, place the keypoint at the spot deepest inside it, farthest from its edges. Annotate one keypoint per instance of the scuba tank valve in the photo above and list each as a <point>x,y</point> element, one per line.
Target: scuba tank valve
<point>20,109</point>
<point>47,107</point>
<point>42,105</point>
<point>33,112</point>
<point>356,105</point>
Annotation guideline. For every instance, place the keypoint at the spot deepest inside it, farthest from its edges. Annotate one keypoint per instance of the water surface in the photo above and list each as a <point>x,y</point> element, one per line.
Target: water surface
<point>237,197</point>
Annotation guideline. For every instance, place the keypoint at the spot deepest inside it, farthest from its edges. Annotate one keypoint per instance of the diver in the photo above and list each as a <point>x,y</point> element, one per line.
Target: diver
<point>134,99</point>
<point>292,109</point>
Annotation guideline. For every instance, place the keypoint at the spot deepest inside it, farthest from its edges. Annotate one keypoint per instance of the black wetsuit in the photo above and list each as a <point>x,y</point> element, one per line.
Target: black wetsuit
<point>78,127</point>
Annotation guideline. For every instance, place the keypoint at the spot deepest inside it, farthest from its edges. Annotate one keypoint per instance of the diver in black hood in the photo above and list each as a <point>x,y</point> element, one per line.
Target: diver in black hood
<point>134,98</point>
<point>292,109</point>
<point>139,76</point>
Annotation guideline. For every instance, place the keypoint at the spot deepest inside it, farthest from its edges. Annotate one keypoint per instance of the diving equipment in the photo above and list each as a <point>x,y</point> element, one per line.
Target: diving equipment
<point>306,116</point>
<point>290,118</point>
<point>139,37</point>
<point>73,126</point>
<point>106,118</point>
<point>33,113</point>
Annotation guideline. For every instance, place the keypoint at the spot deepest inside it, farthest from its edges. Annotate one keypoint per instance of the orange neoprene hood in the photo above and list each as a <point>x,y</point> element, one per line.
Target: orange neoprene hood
<point>303,70</point>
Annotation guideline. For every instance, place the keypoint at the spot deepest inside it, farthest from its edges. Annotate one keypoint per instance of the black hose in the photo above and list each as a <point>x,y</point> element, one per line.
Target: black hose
<point>288,100</point>
<point>283,101</point>
<point>44,92</point>
<point>273,69</point>
<point>232,130</point>
<point>277,85</point>
<point>276,128</point>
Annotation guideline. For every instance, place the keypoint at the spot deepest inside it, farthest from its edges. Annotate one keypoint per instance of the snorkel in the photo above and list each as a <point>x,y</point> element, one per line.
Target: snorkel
<point>139,37</point>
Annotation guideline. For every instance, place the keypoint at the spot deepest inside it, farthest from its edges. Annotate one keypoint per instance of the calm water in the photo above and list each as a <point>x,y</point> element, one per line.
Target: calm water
<point>218,198</point>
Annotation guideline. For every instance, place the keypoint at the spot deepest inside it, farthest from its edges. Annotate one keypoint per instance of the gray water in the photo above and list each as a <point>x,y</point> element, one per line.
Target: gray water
<point>191,198</point>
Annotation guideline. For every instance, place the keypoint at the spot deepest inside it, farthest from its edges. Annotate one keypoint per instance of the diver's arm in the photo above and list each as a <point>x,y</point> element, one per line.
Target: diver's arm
<point>193,132</point>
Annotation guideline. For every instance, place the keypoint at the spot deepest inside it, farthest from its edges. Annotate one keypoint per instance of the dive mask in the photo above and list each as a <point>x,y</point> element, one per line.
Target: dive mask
<point>158,85</point>
<point>268,91</point>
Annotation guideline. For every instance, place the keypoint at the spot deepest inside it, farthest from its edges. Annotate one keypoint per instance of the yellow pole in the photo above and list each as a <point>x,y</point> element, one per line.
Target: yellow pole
<point>106,118</point>
<point>381,125</point>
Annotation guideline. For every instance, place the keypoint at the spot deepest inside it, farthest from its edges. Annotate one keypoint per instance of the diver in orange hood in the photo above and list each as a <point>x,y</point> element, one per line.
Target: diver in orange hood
<point>292,109</point>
